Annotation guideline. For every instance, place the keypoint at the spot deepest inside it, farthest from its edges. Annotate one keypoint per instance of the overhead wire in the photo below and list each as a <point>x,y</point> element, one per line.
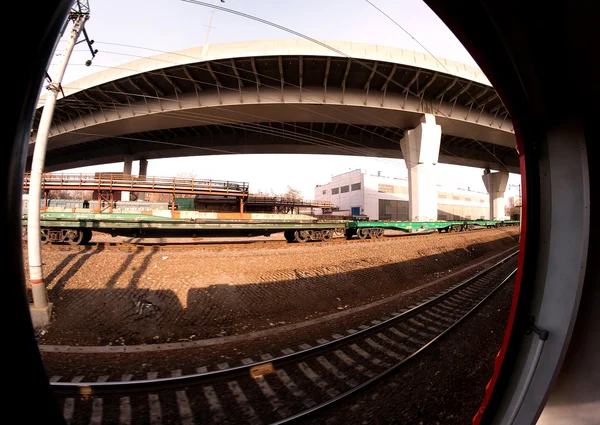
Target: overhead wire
<point>304,36</point>
<point>318,42</point>
<point>230,66</point>
<point>252,81</point>
<point>325,45</point>
<point>186,116</point>
<point>229,122</point>
<point>441,63</point>
<point>247,80</point>
<point>235,90</point>
<point>182,115</point>
<point>328,47</point>
<point>261,128</point>
<point>264,96</point>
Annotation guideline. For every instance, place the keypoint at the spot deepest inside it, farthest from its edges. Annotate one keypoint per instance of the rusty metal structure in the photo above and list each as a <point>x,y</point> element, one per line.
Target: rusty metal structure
<point>107,184</point>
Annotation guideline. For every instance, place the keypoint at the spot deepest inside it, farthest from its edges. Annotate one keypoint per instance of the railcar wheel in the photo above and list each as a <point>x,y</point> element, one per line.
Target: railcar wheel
<point>363,233</point>
<point>289,235</point>
<point>45,236</point>
<point>73,237</point>
<point>87,236</point>
<point>326,235</point>
<point>301,236</point>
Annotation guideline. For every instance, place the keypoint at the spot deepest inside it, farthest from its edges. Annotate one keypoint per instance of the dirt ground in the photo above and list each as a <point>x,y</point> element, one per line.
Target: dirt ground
<point>115,297</point>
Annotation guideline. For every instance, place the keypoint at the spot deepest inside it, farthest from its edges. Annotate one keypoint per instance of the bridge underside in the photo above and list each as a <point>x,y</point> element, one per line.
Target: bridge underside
<point>183,105</point>
<point>273,138</point>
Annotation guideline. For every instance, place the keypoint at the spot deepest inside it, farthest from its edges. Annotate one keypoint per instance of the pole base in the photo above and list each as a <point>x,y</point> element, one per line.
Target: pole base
<point>40,316</point>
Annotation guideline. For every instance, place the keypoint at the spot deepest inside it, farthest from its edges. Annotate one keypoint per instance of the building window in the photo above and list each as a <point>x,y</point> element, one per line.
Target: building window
<point>468,199</point>
<point>355,186</point>
<point>442,195</point>
<point>482,201</point>
<point>456,198</point>
<point>345,189</point>
<point>335,190</point>
<point>325,192</point>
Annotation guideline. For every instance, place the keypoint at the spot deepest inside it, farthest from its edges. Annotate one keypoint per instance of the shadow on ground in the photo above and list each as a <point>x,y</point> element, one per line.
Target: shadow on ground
<point>142,316</point>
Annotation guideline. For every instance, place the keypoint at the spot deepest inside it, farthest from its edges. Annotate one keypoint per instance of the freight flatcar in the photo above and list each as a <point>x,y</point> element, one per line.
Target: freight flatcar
<point>75,228</point>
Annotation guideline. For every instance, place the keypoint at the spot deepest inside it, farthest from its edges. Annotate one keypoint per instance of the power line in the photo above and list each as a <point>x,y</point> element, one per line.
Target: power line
<point>320,43</point>
<point>438,61</point>
<point>261,75</point>
<point>232,123</point>
<point>418,42</point>
<point>253,127</point>
<point>282,133</point>
<point>264,76</point>
<point>407,33</point>
<point>186,116</point>
<point>344,110</point>
<point>233,89</point>
<point>313,40</point>
<point>298,34</point>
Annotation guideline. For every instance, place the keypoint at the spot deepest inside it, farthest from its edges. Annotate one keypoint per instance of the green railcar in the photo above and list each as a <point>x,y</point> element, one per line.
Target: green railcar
<point>376,229</point>
<point>75,228</point>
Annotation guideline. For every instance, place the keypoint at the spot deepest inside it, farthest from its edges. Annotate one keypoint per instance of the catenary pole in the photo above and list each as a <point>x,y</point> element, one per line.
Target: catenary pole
<point>36,277</point>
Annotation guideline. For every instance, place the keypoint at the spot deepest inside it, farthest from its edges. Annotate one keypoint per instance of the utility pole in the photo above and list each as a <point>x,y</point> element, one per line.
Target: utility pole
<point>79,14</point>
<point>212,13</point>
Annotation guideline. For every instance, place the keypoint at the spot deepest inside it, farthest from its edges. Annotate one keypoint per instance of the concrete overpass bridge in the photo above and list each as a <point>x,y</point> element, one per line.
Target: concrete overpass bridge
<point>285,96</point>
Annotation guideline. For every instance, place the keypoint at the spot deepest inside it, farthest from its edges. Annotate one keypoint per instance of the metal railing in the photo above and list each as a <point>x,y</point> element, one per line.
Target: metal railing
<point>274,200</point>
<point>117,181</point>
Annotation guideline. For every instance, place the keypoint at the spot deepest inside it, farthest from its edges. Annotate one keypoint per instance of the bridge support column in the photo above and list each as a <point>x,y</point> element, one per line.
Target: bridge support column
<point>495,183</point>
<point>127,163</point>
<point>420,149</point>
<point>142,173</point>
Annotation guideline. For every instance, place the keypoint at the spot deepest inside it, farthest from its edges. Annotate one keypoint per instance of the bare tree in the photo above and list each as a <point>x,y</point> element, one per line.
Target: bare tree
<point>264,194</point>
<point>70,194</point>
<point>292,194</point>
<point>187,175</point>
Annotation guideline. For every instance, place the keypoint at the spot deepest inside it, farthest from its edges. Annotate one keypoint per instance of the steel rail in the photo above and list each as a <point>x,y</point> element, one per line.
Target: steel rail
<point>320,407</point>
<point>229,373</point>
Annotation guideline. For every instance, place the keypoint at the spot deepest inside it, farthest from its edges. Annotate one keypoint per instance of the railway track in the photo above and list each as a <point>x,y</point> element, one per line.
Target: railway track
<point>143,246</point>
<point>211,244</point>
<point>279,388</point>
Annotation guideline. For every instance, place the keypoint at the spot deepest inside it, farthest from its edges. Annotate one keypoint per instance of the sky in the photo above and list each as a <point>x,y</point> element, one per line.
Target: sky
<point>126,30</point>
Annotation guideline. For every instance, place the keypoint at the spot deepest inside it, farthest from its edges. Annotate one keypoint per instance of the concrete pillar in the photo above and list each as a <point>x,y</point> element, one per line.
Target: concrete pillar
<point>143,173</point>
<point>420,149</point>
<point>495,183</point>
<point>127,163</point>
<point>143,167</point>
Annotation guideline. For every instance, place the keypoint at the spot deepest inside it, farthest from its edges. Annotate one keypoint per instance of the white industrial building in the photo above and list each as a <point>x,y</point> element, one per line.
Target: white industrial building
<point>386,198</point>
